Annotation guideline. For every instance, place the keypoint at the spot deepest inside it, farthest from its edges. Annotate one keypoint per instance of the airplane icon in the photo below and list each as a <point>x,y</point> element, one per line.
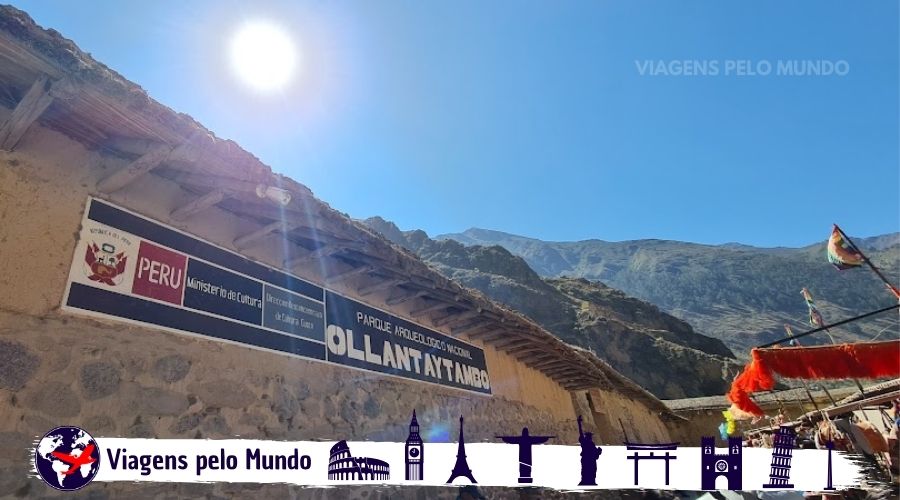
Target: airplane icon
<point>76,461</point>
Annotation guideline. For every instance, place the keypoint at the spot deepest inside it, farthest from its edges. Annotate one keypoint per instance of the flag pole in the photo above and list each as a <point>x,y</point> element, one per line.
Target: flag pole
<point>877,271</point>
<point>815,319</point>
<point>839,323</point>
<point>790,333</point>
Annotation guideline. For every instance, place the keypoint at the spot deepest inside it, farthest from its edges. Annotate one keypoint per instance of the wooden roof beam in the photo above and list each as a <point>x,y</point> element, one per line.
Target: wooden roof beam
<point>544,357</point>
<point>530,347</point>
<point>472,324</point>
<point>244,194</point>
<point>479,330</point>
<point>347,273</point>
<point>425,309</point>
<point>532,360</point>
<point>378,286</point>
<point>198,205</point>
<point>442,318</point>
<point>131,172</point>
<point>246,240</point>
<point>32,105</point>
<point>319,253</point>
<point>511,342</point>
<point>301,219</point>
<point>485,331</point>
<point>555,373</point>
<point>423,283</point>
<point>455,319</point>
<point>556,361</point>
<point>585,383</point>
<point>540,363</point>
<point>462,321</point>
<point>326,238</point>
<point>567,379</point>
<point>406,296</point>
<point>562,370</point>
<point>207,180</point>
<point>489,336</point>
<point>522,334</point>
<point>531,352</point>
<point>581,385</point>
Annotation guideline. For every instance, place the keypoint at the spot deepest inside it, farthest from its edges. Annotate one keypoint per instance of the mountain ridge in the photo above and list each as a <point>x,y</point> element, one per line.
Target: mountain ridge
<point>876,242</point>
<point>741,294</point>
<point>657,350</point>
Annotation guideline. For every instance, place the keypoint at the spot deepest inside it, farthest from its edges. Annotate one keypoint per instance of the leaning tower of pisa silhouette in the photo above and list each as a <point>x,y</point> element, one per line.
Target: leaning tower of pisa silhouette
<point>783,445</point>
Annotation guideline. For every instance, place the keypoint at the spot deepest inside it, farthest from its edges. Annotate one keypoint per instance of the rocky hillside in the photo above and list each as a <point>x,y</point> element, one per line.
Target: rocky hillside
<point>655,349</point>
<point>740,294</point>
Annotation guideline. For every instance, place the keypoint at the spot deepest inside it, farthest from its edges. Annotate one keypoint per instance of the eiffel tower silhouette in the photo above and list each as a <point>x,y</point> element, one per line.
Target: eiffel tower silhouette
<point>461,469</point>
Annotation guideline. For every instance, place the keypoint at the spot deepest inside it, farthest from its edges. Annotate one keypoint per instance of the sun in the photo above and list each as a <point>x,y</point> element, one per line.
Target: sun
<point>263,56</point>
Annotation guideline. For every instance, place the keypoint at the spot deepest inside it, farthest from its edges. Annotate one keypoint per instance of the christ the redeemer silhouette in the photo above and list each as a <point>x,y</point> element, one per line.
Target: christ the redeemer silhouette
<point>525,441</point>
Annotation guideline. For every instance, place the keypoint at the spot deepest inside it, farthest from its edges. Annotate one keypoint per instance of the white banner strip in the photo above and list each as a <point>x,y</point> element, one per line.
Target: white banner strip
<point>492,464</point>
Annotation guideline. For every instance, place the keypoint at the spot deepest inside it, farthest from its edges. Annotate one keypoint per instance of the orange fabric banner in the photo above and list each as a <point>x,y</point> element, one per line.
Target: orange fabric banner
<point>858,360</point>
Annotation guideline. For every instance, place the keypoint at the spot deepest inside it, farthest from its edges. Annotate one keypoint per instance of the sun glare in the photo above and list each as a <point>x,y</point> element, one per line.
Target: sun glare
<point>263,56</point>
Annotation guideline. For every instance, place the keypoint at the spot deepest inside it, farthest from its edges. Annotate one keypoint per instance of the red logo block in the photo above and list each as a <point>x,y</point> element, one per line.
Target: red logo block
<point>159,273</point>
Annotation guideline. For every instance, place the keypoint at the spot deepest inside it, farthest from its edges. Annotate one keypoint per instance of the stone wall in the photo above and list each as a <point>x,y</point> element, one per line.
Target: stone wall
<point>117,380</point>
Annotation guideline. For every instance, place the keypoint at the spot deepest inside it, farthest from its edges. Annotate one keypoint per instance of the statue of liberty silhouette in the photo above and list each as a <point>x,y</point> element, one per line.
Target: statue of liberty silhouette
<point>589,455</point>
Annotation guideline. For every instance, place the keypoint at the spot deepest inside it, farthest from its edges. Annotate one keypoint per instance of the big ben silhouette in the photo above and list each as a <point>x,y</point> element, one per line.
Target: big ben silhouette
<point>415,451</point>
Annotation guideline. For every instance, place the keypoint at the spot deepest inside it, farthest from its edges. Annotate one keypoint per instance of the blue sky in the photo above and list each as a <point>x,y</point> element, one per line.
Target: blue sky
<point>533,117</point>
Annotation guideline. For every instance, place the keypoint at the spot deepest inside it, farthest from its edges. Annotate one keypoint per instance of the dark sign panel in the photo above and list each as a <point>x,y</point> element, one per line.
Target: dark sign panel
<point>215,290</point>
<point>294,314</point>
<point>129,267</point>
<point>364,337</point>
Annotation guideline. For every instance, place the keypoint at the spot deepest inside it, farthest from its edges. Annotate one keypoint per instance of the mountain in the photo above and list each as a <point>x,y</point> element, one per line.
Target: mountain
<point>655,349</point>
<point>738,293</point>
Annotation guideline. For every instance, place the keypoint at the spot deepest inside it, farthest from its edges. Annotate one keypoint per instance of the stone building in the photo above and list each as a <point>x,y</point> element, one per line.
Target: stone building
<point>142,260</point>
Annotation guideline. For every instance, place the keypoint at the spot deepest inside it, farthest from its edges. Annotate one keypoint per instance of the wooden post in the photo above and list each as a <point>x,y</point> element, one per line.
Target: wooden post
<point>36,101</point>
<point>124,176</point>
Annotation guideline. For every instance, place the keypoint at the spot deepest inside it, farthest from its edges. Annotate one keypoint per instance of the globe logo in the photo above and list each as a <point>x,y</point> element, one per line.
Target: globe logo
<point>67,458</point>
